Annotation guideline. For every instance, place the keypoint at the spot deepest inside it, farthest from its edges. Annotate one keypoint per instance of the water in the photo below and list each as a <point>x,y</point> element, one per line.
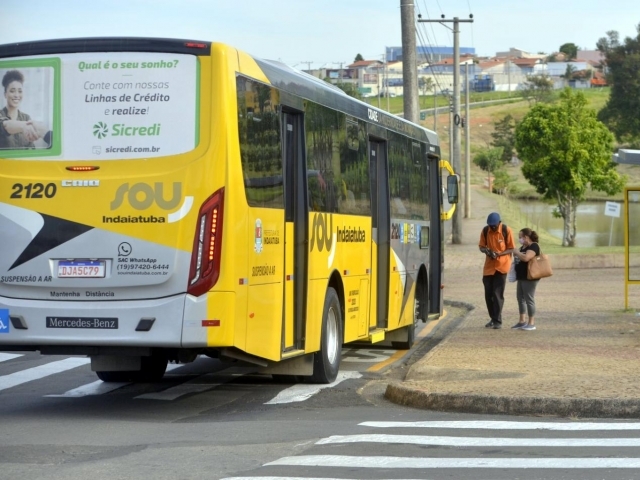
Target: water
<point>594,228</point>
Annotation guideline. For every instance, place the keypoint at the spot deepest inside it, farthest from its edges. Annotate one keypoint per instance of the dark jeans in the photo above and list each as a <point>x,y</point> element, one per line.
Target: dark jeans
<point>494,294</point>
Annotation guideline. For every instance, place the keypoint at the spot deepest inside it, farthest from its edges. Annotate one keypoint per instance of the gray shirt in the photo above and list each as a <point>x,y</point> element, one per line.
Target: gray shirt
<point>17,140</point>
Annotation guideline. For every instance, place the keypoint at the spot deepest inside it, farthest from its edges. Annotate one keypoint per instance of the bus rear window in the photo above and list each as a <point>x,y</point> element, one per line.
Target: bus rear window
<point>98,106</point>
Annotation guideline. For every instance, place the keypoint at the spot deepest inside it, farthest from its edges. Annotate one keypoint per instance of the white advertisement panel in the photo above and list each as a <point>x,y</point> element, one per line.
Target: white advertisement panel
<point>101,106</point>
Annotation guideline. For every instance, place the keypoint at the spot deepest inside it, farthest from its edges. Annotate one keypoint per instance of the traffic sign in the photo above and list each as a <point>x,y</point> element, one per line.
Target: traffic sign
<point>612,209</point>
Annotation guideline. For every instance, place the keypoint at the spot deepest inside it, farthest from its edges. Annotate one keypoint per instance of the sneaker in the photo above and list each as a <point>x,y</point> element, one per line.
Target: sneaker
<point>489,325</point>
<point>528,327</point>
<point>518,326</point>
<point>497,326</point>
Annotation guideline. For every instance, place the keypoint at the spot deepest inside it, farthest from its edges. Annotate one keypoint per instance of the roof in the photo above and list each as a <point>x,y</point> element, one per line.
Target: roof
<point>525,62</point>
<point>491,63</point>
<point>598,79</point>
<point>590,55</point>
<point>363,63</point>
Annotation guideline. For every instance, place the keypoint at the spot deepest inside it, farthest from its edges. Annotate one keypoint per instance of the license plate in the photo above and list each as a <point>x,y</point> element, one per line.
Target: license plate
<point>82,322</point>
<point>81,269</point>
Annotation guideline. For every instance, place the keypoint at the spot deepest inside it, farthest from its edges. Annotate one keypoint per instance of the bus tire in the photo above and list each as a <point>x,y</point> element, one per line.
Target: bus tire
<point>419,313</point>
<point>152,370</point>
<point>326,362</point>
<point>411,331</point>
<point>111,377</point>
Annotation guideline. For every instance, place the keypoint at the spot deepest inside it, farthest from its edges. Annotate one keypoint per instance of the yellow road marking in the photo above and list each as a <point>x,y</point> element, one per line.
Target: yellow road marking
<point>400,353</point>
<point>379,366</point>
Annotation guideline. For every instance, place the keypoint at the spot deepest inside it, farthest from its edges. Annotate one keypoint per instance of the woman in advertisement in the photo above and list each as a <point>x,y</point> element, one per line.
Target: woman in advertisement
<point>17,129</point>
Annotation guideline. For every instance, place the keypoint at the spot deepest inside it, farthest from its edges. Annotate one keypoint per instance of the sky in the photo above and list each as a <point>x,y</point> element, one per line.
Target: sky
<point>315,33</point>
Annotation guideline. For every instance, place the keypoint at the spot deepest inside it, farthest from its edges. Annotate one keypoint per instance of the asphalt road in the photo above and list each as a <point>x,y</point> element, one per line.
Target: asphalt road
<point>213,420</point>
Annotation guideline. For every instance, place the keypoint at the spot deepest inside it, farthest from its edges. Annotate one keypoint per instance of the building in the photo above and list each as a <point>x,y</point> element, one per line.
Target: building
<point>517,53</point>
<point>428,53</point>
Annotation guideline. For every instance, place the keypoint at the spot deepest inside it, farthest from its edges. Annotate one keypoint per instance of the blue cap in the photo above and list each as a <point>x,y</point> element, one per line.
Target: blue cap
<point>493,219</point>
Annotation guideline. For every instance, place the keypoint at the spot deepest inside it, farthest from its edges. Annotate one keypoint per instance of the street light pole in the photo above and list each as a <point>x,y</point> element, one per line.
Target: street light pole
<point>467,149</point>
<point>409,64</point>
<point>456,224</point>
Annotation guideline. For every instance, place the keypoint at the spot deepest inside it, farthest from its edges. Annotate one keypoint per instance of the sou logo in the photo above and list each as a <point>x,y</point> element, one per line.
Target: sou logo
<point>322,232</point>
<point>142,195</point>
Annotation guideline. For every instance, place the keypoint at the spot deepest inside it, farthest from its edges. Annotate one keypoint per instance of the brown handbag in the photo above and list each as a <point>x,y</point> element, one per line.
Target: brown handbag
<point>539,267</point>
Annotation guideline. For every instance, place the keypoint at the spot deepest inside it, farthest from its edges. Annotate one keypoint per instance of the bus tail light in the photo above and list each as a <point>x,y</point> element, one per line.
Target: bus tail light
<point>207,246</point>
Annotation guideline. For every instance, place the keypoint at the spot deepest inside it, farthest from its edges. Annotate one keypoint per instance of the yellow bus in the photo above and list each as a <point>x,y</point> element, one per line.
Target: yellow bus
<point>164,199</point>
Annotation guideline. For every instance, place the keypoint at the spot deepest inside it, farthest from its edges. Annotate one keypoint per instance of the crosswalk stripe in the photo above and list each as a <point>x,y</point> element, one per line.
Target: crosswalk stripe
<point>416,462</point>
<point>35,373</point>
<point>95,388</point>
<point>9,356</point>
<point>196,385</point>
<point>99,387</point>
<point>507,425</point>
<point>482,442</point>
<point>181,390</point>
<point>300,393</point>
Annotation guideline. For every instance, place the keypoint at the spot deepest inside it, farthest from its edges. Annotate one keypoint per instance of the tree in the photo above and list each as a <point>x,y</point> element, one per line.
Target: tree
<point>350,89</point>
<point>569,72</point>
<point>425,84</point>
<point>489,160</point>
<point>537,88</point>
<point>504,137</point>
<point>565,149</point>
<point>570,50</point>
<point>358,58</point>
<point>622,60</point>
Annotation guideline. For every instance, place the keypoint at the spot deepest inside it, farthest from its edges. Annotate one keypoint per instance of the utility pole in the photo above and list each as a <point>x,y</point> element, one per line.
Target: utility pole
<point>379,83</point>
<point>467,149</point>
<point>386,81</point>
<point>451,141</point>
<point>456,235</point>
<point>340,71</point>
<point>435,109</point>
<point>409,64</point>
<point>308,65</point>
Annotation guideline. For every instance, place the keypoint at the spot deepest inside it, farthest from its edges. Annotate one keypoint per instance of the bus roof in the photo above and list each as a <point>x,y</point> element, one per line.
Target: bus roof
<point>105,44</point>
<point>324,93</point>
<point>279,75</point>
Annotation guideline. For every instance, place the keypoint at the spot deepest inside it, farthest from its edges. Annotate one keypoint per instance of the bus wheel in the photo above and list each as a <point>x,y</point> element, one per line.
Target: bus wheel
<point>419,311</point>
<point>152,370</point>
<point>326,362</point>
<point>110,377</point>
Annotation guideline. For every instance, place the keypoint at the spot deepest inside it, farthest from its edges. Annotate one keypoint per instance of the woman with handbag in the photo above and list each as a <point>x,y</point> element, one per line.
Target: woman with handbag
<point>526,288</point>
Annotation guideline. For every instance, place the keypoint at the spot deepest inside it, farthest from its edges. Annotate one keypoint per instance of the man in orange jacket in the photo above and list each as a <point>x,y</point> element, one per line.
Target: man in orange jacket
<point>495,239</point>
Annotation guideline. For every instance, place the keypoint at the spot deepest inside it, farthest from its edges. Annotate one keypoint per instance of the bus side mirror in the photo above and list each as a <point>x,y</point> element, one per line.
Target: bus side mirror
<point>452,189</point>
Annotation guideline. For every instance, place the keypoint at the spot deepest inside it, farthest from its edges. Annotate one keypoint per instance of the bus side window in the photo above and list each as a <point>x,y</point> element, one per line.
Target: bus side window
<point>260,144</point>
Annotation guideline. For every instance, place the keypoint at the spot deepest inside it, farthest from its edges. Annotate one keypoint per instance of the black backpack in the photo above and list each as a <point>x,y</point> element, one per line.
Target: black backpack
<point>486,229</point>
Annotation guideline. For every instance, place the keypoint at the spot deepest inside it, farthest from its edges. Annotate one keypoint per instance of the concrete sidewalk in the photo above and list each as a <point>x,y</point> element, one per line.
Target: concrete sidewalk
<point>583,359</point>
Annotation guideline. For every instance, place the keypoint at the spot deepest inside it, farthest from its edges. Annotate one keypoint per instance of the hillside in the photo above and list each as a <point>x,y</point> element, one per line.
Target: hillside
<point>482,125</point>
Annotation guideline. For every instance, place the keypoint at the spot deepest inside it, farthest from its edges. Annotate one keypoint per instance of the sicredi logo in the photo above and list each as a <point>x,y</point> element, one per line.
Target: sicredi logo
<point>102,130</point>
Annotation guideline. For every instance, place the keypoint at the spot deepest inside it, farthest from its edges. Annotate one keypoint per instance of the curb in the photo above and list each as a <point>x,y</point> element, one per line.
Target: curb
<point>490,404</point>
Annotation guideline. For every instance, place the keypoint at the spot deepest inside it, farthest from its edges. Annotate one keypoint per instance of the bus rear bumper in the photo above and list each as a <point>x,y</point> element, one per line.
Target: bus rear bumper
<point>136,323</point>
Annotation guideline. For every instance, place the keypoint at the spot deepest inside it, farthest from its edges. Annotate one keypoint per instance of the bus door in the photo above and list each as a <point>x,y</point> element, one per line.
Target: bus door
<point>296,218</point>
<point>436,237</point>
<point>381,232</point>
